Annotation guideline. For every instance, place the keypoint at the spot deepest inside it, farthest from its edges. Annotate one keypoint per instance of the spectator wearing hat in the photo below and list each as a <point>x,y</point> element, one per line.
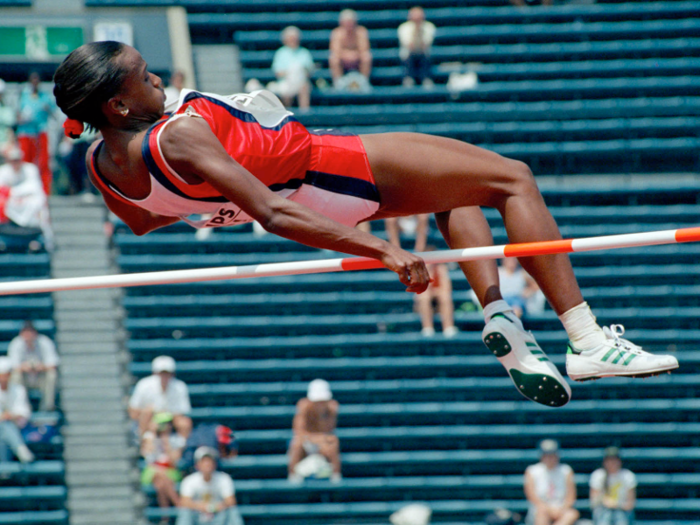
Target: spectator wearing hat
<point>14,414</point>
<point>613,491</point>
<point>208,496</point>
<point>162,449</point>
<point>218,437</point>
<point>314,430</point>
<point>161,392</point>
<point>550,489</point>
<point>34,361</point>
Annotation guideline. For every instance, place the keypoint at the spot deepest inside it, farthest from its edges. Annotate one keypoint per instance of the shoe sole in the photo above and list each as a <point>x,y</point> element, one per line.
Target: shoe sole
<point>541,388</point>
<point>639,375</point>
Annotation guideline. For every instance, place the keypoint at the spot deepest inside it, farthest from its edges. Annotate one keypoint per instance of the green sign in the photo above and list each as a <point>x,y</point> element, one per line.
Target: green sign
<point>38,42</point>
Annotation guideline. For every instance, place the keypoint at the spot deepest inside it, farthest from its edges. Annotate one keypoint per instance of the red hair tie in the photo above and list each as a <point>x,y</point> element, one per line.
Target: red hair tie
<point>73,128</point>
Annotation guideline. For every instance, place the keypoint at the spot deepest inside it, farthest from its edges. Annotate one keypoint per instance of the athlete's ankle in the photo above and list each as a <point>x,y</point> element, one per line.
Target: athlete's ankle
<point>581,327</point>
<point>500,307</point>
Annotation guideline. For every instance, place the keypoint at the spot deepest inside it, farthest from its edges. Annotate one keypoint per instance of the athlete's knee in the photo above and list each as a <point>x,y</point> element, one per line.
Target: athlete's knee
<point>521,180</point>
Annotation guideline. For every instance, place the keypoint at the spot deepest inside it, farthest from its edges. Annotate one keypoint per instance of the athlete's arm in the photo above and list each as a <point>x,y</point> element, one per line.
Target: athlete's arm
<point>193,150</point>
<point>140,221</point>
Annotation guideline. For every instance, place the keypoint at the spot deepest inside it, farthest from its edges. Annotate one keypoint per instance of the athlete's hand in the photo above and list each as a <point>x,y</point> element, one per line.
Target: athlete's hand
<point>410,268</point>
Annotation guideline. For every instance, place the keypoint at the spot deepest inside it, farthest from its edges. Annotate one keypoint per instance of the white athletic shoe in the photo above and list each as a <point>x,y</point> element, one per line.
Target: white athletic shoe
<point>616,357</point>
<point>532,372</point>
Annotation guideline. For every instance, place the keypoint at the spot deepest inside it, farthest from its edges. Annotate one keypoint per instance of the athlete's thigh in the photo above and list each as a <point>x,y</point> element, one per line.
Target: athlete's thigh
<point>417,173</point>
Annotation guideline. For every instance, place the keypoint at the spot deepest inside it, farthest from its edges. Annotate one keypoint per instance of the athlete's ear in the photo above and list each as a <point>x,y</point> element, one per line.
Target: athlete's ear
<point>115,106</point>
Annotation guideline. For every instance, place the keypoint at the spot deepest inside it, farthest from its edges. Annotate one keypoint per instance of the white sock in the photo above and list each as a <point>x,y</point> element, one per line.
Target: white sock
<point>581,326</point>
<point>501,307</point>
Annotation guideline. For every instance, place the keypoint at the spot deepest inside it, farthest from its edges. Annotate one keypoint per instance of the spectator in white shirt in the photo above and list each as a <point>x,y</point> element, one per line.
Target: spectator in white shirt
<point>416,37</point>
<point>14,414</point>
<point>23,205</point>
<point>208,496</point>
<point>34,362</point>
<point>550,489</point>
<point>613,491</point>
<point>161,392</point>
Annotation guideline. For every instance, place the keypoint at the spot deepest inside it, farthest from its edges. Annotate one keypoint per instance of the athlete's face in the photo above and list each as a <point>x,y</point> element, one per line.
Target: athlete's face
<point>142,92</point>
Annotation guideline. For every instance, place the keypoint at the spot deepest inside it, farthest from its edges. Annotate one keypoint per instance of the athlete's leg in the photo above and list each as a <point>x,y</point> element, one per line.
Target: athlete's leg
<point>421,174</point>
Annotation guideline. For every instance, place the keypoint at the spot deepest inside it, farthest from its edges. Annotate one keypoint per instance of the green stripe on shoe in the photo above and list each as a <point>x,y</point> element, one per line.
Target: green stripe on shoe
<point>629,359</point>
<point>619,356</point>
<point>605,358</point>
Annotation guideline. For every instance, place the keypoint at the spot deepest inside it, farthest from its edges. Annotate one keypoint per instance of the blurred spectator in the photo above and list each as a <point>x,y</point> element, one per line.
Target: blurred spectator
<point>314,443</point>
<point>175,86</point>
<point>162,448</point>
<point>550,489</point>
<point>525,3</point>
<point>218,437</point>
<point>292,66</point>
<point>14,414</point>
<point>7,121</point>
<point>24,208</point>
<point>208,496</point>
<point>415,39</point>
<point>35,108</point>
<point>519,290</point>
<point>34,361</point>
<point>613,491</point>
<point>72,153</point>
<point>415,225</point>
<point>440,291</point>
<point>161,392</point>
<point>350,56</point>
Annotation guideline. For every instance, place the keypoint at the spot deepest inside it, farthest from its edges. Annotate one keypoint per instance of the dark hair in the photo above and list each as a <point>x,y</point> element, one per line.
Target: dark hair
<point>28,325</point>
<point>88,77</point>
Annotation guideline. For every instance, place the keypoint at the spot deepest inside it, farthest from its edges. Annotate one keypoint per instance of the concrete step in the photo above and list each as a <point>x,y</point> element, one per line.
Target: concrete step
<point>86,314</point>
<point>79,393</point>
<point>75,306</point>
<point>72,372</point>
<point>100,478</point>
<point>96,429</point>
<point>102,359</point>
<point>110,336</point>
<point>117,417</point>
<point>113,294</point>
<point>116,518</point>
<point>88,324</point>
<point>96,453</point>
<point>104,504</point>
<point>119,439</point>
<point>86,383</point>
<point>94,406</point>
<point>115,466</point>
<point>117,491</point>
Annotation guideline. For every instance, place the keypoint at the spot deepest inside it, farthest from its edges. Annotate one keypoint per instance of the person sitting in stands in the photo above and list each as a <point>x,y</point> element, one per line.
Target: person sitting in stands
<point>314,430</point>
<point>161,392</point>
<point>208,496</point>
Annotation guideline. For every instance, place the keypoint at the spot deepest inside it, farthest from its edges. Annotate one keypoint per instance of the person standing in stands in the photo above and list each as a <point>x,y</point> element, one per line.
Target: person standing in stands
<point>550,489</point>
<point>350,53</point>
<point>292,66</point>
<point>416,36</point>
<point>175,86</point>
<point>14,415</point>
<point>8,118</point>
<point>613,491</point>
<point>35,109</point>
<point>34,362</point>
<point>208,496</point>
<point>161,392</point>
<point>314,430</point>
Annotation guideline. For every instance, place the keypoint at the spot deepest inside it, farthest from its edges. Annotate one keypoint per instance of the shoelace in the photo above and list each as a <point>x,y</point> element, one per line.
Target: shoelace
<point>617,331</point>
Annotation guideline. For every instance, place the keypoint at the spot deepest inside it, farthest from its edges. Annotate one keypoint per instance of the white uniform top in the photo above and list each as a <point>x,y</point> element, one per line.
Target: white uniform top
<point>43,351</point>
<point>149,393</point>
<point>14,400</point>
<point>407,36</point>
<point>215,491</point>
<point>26,204</point>
<point>550,485</point>
<point>618,484</point>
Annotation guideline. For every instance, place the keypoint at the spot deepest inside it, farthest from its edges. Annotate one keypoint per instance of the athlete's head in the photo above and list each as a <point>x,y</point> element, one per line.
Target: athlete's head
<point>108,83</point>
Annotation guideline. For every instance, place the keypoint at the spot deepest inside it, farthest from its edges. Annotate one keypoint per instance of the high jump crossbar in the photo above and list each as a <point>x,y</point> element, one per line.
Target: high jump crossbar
<point>528,249</point>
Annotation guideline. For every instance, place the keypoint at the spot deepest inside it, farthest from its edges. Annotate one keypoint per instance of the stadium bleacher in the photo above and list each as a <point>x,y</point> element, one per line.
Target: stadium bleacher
<point>609,87</point>
<point>33,493</point>
<point>425,419</point>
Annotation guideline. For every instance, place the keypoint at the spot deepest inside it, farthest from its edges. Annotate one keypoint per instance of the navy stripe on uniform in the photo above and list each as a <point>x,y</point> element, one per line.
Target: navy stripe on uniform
<point>157,174</point>
<point>334,183</point>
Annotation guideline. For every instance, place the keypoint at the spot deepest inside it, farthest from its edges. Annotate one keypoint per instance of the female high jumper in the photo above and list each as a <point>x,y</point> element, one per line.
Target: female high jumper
<point>244,158</point>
